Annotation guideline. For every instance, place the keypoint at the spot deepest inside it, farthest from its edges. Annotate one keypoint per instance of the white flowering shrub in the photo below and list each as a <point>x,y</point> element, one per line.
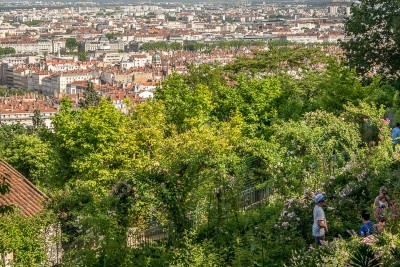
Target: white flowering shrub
<point>332,255</point>
<point>378,250</point>
<point>315,149</point>
<point>353,189</point>
<point>294,219</point>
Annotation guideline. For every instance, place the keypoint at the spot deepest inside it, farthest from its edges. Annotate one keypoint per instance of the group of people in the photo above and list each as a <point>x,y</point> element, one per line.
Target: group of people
<point>368,227</point>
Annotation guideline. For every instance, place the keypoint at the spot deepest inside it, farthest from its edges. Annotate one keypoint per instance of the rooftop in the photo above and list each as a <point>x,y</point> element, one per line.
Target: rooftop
<point>23,193</point>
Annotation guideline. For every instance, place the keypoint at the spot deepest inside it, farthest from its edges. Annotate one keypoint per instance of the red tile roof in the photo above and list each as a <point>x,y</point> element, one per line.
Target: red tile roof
<point>23,193</point>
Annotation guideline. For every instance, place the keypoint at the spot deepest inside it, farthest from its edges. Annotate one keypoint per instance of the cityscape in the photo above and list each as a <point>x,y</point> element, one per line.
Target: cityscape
<point>127,50</point>
<point>200,134</point>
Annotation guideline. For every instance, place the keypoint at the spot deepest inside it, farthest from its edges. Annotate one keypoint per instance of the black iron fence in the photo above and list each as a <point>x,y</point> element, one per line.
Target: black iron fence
<point>247,199</point>
<point>253,196</point>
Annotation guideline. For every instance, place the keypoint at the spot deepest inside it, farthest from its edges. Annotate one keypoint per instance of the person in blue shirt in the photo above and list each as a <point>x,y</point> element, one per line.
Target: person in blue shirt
<point>396,134</point>
<point>368,226</point>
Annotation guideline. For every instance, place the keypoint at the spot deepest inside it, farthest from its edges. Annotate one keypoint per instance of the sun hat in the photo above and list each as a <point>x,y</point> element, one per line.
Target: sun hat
<point>319,198</point>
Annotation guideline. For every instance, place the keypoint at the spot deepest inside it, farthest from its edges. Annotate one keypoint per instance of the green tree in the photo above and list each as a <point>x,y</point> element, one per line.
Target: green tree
<point>157,46</point>
<point>93,144</point>
<point>279,60</point>
<point>30,156</point>
<point>314,148</point>
<point>193,46</point>
<point>190,168</point>
<point>374,36</point>
<point>71,44</point>
<point>90,97</point>
<point>151,128</point>
<point>37,120</point>
<point>8,133</point>
<point>4,91</point>
<point>110,36</point>
<point>175,46</point>
<point>7,51</point>
<point>96,151</point>
<point>23,236</point>
<point>280,42</point>
<point>33,22</point>
<point>82,56</point>
<point>187,106</point>
<point>339,85</point>
<point>259,103</point>
<point>95,226</point>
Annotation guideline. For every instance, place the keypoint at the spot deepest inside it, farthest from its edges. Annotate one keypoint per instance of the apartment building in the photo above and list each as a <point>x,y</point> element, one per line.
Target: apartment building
<point>32,46</point>
<point>18,116</point>
<point>35,80</point>
<point>135,61</point>
<point>57,83</point>
<point>101,44</point>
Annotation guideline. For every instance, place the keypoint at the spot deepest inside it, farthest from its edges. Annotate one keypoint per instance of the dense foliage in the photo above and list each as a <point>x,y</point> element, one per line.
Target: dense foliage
<point>7,51</point>
<point>71,44</point>
<point>7,92</point>
<point>291,123</point>
<point>23,237</point>
<point>374,36</point>
<point>199,46</point>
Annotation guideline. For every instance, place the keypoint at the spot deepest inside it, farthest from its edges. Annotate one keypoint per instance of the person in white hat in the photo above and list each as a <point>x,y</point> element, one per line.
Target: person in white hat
<point>320,226</point>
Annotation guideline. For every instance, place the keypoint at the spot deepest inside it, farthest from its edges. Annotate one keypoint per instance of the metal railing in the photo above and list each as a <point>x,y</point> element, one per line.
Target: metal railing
<point>248,199</point>
<point>137,237</point>
<point>253,196</point>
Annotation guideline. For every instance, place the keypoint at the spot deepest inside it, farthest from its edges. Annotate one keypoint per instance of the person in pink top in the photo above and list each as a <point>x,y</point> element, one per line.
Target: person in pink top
<point>381,203</point>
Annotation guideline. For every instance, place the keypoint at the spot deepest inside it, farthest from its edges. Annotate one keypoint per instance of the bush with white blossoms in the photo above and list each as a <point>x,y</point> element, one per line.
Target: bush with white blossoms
<point>333,254</point>
<point>384,250</point>
<point>295,215</point>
